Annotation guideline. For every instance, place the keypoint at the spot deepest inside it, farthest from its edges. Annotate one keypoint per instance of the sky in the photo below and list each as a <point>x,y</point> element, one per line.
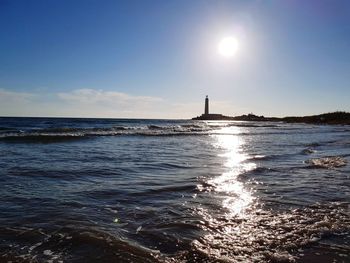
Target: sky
<point>159,59</point>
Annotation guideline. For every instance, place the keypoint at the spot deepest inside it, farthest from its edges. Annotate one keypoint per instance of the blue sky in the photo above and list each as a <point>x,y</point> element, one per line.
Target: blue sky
<point>158,59</point>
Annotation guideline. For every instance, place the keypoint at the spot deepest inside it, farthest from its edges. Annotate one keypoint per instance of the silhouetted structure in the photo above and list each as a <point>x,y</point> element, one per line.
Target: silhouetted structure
<point>338,117</point>
<point>210,116</point>
<point>206,108</point>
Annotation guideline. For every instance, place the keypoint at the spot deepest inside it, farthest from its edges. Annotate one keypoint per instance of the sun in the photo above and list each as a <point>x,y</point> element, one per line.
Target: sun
<point>228,47</point>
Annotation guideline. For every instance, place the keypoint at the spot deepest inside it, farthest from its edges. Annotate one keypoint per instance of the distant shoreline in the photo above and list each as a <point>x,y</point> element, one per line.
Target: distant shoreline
<point>333,118</point>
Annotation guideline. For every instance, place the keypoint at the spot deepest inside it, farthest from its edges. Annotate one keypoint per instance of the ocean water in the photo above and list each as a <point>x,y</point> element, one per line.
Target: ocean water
<point>119,190</point>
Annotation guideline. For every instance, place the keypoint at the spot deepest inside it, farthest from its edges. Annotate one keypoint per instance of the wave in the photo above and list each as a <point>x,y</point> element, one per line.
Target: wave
<point>270,157</point>
<point>39,138</point>
<point>58,134</point>
<point>327,162</point>
<point>68,133</point>
<point>308,151</point>
<point>6,129</point>
<point>67,244</point>
<point>263,236</point>
<point>254,125</point>
<point>183,188</point>
<point>275,237</point>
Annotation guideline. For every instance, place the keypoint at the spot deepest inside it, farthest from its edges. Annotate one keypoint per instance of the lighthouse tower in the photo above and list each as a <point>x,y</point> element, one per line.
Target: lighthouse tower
<point>206,108</point>
<point>206,116</point>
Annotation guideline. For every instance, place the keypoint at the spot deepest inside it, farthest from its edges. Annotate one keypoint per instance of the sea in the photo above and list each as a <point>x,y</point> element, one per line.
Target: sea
<point>129,190</point>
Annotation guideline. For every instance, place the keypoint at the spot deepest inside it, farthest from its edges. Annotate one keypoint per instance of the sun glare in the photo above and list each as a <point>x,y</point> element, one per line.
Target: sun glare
<point>228,47</point>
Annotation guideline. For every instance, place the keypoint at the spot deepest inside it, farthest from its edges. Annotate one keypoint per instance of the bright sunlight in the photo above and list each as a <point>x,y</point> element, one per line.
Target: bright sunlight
<point>228,47</point>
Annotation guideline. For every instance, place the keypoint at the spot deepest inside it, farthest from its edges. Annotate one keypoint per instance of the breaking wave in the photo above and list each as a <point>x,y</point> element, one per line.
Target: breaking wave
<point>64,133</point>
<point>327,162</point>
<point>69,133</point>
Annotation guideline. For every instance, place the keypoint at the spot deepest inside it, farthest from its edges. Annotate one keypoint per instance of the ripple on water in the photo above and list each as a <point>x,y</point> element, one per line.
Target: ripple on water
<point>70,245</point>
<point>267,236</point>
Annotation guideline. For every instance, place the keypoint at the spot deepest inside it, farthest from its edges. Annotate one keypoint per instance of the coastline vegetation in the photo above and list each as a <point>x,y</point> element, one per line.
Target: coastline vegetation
<point>337,117</point>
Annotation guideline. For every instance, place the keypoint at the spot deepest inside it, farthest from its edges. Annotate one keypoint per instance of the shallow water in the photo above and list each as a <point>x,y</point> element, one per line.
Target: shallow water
<point>87,190</point>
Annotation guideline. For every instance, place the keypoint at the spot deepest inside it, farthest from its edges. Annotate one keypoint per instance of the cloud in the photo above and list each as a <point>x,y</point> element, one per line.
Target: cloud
<point>100,103</point>
<point>81,103</point>
<point>15,103</point>
<point>7,96</point>
<point>100,96</point>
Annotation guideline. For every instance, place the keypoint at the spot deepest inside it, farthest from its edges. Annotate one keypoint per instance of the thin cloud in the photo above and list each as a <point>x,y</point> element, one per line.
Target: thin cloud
<point>100,96</point>
<point>7,96</point>
<point>81,103</point>
<point>100,103</point>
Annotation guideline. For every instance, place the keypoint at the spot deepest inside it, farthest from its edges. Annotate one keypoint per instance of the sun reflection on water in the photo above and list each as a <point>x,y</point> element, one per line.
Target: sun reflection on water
<point>237,225</point>
<point>238,198</point>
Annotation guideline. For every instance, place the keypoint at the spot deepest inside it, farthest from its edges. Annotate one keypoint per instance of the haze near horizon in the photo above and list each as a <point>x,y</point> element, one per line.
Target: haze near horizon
<point>158,59</point>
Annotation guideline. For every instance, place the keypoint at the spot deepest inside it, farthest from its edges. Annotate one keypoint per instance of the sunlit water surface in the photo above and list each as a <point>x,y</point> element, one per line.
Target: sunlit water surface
<point>92,190</point>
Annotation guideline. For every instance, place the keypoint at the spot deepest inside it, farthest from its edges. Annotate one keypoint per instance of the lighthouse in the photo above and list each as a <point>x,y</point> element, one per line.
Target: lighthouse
<point>211,116</point>
<point>206,107</point>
